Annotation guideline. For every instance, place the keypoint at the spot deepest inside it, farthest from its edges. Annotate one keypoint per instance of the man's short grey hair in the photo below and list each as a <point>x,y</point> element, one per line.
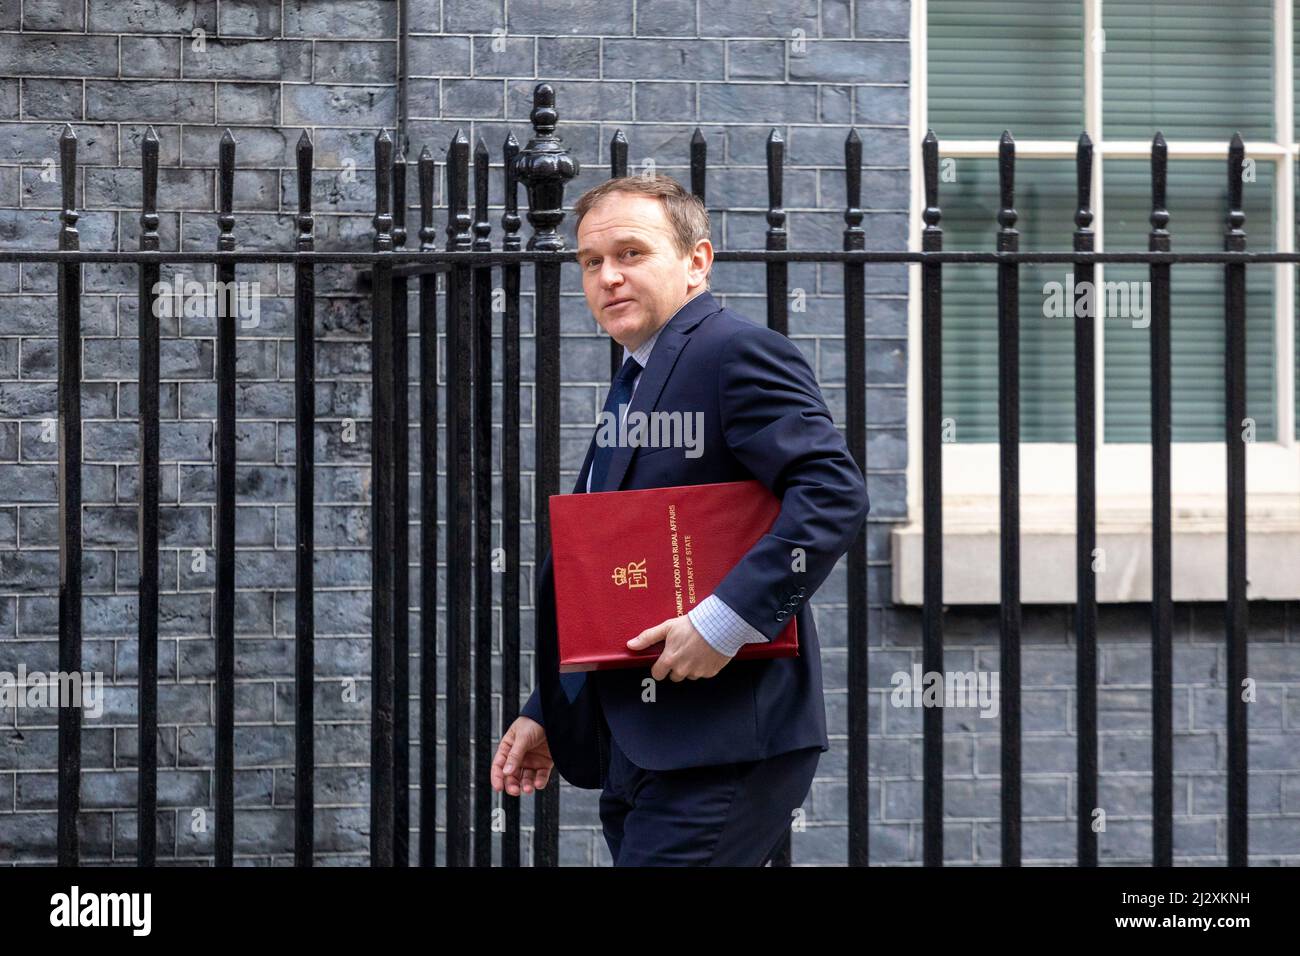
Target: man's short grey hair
<point>687,217</point>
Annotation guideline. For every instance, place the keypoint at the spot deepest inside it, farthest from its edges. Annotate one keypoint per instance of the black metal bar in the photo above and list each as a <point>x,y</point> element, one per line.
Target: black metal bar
<point>304,633</point>
<point>482,349</point>
<point>1085,436</point>
<point>1236,609</point>
<point>777,272</point>
<point>69,796</point>
<point>932,504</point>
<point>459,506</point>
<point>1009,460</point>
<point>510,586</point>
<point>403,73</point>
<point>546,483</point>
<point>544,166</point>
<point>225,519</point>
<point>428,528</point>
<point>401,540</point>
<point>778,318</point>
<point>383,600</point>
<point>1162,762</point>
<point>618,155</point>
<point>147,541</point>
<point>699,163</point>
<point>617,169</point>
<point>855,380</point>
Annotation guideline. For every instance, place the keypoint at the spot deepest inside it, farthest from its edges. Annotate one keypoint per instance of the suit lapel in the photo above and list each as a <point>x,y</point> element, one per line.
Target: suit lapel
<point>668,349</point>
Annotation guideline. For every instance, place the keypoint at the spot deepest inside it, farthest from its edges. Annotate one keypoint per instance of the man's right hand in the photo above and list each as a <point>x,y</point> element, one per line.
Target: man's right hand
<point>523,759</point>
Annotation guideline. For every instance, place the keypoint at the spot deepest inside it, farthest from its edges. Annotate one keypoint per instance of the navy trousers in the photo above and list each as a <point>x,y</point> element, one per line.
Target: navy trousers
<point>731,814</point>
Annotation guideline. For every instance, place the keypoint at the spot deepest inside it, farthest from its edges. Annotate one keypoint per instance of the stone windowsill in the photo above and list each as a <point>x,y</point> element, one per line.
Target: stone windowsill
<point>971,549</point>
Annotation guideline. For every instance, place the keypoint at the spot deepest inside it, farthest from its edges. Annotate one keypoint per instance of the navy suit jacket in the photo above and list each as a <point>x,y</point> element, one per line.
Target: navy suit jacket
<point>764,418</point>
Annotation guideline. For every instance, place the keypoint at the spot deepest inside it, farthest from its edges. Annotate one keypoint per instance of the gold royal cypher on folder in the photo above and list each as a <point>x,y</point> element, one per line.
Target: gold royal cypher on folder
<point>634,575</point>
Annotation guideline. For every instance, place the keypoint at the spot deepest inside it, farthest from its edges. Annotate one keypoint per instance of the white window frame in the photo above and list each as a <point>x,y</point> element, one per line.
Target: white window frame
<point>1047,474</point>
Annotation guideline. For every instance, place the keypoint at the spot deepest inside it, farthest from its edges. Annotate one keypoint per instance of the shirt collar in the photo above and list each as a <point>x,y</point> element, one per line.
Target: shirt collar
<point>642,354</point>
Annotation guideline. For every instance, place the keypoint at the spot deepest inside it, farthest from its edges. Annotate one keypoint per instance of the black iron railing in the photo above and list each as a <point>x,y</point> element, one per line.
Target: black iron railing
<point>544,166</point>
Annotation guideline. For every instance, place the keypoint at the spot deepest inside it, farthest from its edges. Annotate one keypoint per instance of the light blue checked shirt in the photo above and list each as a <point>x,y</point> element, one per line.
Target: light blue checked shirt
<point>724,629</point>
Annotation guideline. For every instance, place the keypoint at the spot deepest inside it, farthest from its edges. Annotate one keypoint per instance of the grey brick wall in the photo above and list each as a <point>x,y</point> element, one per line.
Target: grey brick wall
<point>656,69</point>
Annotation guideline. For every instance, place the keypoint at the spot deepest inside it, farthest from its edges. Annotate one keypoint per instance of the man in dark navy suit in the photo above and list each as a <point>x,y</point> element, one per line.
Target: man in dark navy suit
<point>706,767</point>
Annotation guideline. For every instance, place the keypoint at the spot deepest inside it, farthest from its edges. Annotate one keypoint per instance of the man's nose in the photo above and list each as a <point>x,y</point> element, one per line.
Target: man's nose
<point>610,277</point>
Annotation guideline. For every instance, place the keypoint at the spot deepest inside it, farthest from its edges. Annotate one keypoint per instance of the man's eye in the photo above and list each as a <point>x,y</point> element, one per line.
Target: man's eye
<point>630,252</point>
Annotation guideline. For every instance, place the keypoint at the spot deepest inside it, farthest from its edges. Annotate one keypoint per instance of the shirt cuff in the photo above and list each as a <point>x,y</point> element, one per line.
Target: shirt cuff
<point>725,630</point>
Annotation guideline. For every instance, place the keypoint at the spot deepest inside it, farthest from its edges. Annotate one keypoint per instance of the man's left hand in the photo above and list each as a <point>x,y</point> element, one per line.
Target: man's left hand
<point>686,654</point>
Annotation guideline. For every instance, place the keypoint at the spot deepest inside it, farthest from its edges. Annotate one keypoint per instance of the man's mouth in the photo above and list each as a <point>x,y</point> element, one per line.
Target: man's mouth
<point>617,302</point>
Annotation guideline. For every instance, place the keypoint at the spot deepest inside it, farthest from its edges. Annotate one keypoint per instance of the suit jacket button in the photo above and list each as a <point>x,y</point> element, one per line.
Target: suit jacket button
<point>799,593</point>
<point>782,614</point>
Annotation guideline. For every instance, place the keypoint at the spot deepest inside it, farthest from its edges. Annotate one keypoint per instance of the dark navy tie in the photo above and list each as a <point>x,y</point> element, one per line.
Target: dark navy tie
<point>620,393</point>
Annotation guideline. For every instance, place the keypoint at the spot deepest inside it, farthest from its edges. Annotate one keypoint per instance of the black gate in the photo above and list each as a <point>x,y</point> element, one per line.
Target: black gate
<point>468,259</point>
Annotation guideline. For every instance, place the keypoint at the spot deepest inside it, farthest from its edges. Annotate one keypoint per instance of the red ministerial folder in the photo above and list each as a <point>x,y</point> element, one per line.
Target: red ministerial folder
<point>627,560</point>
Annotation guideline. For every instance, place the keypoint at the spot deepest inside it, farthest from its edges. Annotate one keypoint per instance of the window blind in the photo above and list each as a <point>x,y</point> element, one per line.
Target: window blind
<point>1196,70</point>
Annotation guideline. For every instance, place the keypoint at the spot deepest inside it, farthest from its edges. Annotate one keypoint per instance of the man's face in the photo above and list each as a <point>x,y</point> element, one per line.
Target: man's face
<point>634,278</point>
